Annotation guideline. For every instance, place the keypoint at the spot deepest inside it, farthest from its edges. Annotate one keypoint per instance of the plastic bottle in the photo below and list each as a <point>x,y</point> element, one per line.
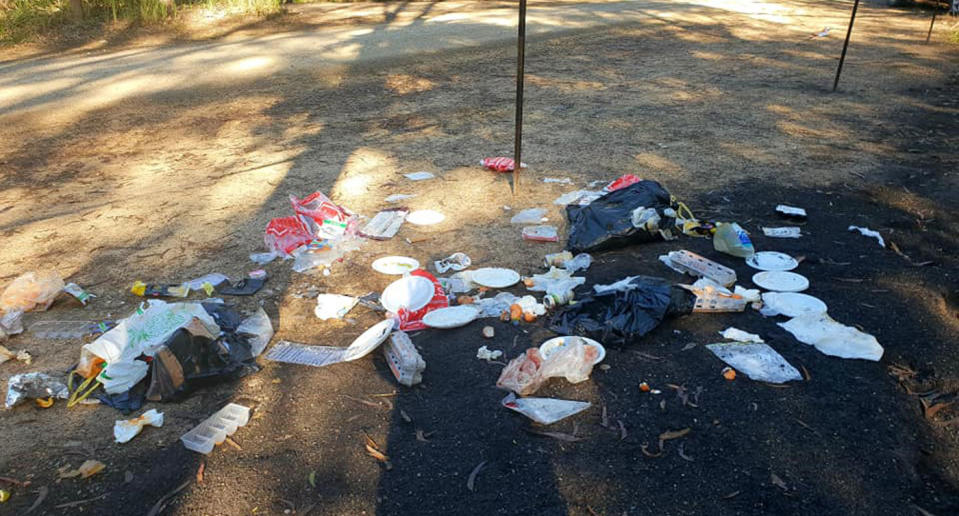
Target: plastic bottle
<point>730,238</point>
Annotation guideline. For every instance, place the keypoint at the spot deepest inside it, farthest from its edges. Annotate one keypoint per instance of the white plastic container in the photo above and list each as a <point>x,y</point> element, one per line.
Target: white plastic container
<point>215,429</point>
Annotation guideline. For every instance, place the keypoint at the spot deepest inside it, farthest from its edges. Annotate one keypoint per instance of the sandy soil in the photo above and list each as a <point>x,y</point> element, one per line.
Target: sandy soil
<point>730,109</point>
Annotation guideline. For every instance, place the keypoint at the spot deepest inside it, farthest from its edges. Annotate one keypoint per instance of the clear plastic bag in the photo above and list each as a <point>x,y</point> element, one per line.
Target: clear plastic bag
<point>526,373</point>
<point>544,411</point>
<point>530,216</point>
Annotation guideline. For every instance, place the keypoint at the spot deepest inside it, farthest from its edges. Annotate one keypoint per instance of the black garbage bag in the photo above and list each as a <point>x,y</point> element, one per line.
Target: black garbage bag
<point>622,317</point>
<point>607,223</point>
<point>191,358</point>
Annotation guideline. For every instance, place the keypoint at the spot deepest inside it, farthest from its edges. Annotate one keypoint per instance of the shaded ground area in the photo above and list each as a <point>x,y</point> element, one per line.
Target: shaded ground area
<point>729,109</point>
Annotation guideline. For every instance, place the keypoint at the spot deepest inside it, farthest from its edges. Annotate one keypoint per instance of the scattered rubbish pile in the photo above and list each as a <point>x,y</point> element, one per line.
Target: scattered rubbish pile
<point>166,349</point>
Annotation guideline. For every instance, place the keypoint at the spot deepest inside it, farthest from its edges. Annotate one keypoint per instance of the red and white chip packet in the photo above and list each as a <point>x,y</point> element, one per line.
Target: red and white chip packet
<point>500,164</point>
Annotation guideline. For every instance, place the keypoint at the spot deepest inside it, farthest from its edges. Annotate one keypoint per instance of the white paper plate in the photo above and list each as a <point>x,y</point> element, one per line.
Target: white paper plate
<point>550,346</point>
<point>395,265</point>
<point>792,304</point>
<point>451,317</point>
<point>369,340</point>
<point>772,261</point>
<point>425,217</point>
<point>781,281</point>
<point>410,292</point>
<point>493,277</point>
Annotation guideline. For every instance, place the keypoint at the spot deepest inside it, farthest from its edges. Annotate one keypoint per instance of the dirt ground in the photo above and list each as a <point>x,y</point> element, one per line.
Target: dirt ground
<point>731,111</point>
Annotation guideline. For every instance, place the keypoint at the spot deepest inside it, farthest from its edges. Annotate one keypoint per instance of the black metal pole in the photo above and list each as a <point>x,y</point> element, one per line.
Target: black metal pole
<point>933,22</point>
<point>520,68</point>
<point>845,45</point>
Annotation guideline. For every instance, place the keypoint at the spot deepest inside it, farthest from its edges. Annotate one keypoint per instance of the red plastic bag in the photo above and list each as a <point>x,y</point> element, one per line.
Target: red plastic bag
<point>320,216</point>
<point>285,234</point>
<point>414,320</point>
<point>622,182</point>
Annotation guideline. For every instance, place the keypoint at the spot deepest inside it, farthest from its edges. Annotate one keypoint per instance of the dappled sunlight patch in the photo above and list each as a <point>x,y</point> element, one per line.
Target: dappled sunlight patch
<point>405,84</point>
<point>709,56</point>
<point>364,170</point>
<point>564,85</point>
<point>248,65</point>
<point>811,129</point>
<point>657,163</point>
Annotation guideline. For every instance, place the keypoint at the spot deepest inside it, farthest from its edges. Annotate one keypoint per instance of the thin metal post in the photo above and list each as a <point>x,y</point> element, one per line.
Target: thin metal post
<point>933,22</point>
<point>520,68</point>
<point>845,45</point>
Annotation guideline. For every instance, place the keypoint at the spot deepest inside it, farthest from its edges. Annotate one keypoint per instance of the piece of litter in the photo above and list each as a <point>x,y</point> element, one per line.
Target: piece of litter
<point>483,353</point>
<point>320,356</point>
<point>86,470</point>
<point>126,429</point>
<point>419,176</point>
<point>558,180</point>
<point>500,164</point>
<point>333,306</point>
<point>540,233</point>
<point>263,258</point>
<point>578,197</point>
<point>869,233</point>
<point>399,197</point>
<point>455,261</point>
<point>385,224</point>
<point>425,217</point>
<point>791,211</point>
<point>821,34</point>
<point>529,216</point>
<point>544,410</point>
<point>740,335</point>
<point>488,332</point>
<point>693,264</point>
<point>791,304</point>
<point>216,428</point>
<point>833,338</point>
<point>783,232</point>
<point>758,361</point>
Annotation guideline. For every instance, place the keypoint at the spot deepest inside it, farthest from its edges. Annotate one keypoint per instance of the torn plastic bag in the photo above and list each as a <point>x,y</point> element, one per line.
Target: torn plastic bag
<point>526,373</point>
<point>833,338</point>
<point>143,332</point>
<point>121,376</point>
<point>21,387</point>
<point>606,223</point>
<point>191,357</point>
<point>258,329</point>
<point>621,317</point>
<point>545,411</point>
<point>758,361</point>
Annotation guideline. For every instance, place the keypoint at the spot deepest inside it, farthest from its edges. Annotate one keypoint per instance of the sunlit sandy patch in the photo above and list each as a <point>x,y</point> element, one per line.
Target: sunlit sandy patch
<point>405,84</point>
<point>656,162</point>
